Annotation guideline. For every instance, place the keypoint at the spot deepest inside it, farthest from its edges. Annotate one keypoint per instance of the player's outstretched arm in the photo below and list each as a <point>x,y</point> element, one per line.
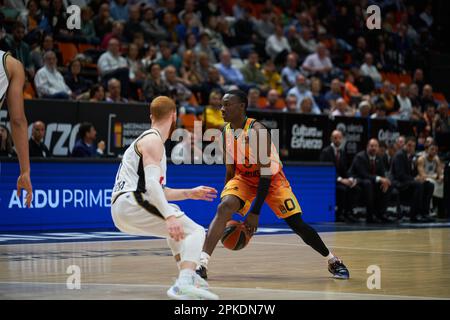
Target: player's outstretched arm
<point>198,193</point>
<point>263,136</point>
<point>19,125</point>
<point>152,150</point>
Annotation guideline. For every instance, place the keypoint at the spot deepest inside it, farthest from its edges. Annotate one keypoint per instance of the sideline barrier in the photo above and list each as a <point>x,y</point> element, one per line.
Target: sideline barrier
<point>76,194</point>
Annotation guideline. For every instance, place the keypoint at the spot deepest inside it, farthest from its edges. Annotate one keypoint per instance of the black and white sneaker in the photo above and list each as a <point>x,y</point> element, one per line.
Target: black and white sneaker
<point>338,269</point>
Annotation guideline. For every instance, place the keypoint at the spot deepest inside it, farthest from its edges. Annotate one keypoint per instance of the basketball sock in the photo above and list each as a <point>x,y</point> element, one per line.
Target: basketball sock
<point>186,277</point>
<point>308,234</point>
<point>204,259</point>
<point>329,257</point>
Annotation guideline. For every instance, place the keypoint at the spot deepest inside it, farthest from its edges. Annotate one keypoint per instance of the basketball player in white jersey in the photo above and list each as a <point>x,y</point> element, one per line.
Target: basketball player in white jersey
<point>12,79</point>
<point>140,201</point>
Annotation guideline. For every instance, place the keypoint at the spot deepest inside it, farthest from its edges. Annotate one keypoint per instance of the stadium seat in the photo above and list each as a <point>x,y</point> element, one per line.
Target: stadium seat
<point>82,47</point>
<point>187,121</point>
<point>68,51</point>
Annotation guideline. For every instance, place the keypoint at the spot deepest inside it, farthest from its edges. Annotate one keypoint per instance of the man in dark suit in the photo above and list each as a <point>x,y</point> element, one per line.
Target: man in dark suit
<point>369,170</point>
<point>85,146</point>
<point>37,147</point>
<point>334,153</point>
<point>404,179</point>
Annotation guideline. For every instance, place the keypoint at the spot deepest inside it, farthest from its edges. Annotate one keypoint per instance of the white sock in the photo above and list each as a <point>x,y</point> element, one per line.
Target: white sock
<point>204,259</point>
<point>186,276</point>
<point>329,256</point>
<point>179,265</point>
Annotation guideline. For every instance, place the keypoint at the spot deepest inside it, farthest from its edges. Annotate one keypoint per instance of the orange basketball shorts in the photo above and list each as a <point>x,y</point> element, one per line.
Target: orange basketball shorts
<point>280,198</point>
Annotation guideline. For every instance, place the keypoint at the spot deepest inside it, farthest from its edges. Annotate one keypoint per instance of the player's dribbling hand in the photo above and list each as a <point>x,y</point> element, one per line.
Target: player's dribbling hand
<point>175,228</point>
<point>203,193</point>
<point>24,182</point>
<point>251,222</point>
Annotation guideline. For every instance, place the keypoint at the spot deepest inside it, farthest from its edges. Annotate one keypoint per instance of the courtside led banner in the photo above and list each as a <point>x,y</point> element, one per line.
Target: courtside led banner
<point>77,195</point>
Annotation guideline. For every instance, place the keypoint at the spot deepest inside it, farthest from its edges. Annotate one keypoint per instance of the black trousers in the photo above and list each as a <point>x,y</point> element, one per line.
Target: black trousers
<point>420,194</point>
<point>373,198</point>
<point>345,199</point>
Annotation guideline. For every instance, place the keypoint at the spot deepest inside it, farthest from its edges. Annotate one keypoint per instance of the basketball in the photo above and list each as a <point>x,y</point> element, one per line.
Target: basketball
<point>235,236</point>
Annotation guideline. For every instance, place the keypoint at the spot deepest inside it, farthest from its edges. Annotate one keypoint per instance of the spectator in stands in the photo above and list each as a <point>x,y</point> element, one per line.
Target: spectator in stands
<point>18,47</point>
<point>273,78</point>
<point>151,56</point>
<point>203,46</point>
<point>273,101</point>
<point>413,95</point>
<point>443,120</point>
<point>167,57</point>
<point>85,145</point>
<point>212,116</point>
<point>216,39</point>
<point>264,27</point>
<point>342,109</point>
<point>252,72</point>
<point>37,55</point>
<point>380,111</point>
<point>370,70</point>
<point>344,184</point>
<point>373,185</point>
<point>418,79</point>
<point>154,85</point>
<point>97,93</point>
<point>399,143</point>
<point>291,103</point>
<point>359,52</point>
<point>319,98</point>
<point>253,98</point>
<point>351,91</point>
<point>117,31</point>
<point>427,97</point>
<point>119,10</point>
<point>318,64</point>
<point>49,82</point>
<point>77,83</point>
<point>277,45</point>
<point>204,65</point>
<point>178,91</point>
<point>189,24</point>
<point>6,143</point>
<point>57,17</point>
<point>306,106</point>
<point>430,169</point>
<point>301,91</point>
<point>388,98</point>
<point>151,27</point>
<point>33,19</point>
<point>364,109</point>
<point>136,69</point>
<point>114,92</point>
<point>169,23</point>
<point>290,72</point>
<point>430,118</point>
<point>133,23</point>
<point>404,179</point>
<point>190,73</point>
<point>230,73</point>
<point>189,43</point>
<point>87,26</point>
<point>37,147</point>
<point>334,93</point>
<point>403,102</point>
<point>307,42</point>
<point>244,34</point>
<point>103,21</point>
<point>112,65</point>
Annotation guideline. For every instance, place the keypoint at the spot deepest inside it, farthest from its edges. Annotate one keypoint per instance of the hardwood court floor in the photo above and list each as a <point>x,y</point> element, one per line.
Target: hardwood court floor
<point>414,263</point>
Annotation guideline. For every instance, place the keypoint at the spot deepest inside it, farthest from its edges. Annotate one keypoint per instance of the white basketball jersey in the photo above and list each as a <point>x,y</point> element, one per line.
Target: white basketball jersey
<point>131,176</point>
<point>4,82</point>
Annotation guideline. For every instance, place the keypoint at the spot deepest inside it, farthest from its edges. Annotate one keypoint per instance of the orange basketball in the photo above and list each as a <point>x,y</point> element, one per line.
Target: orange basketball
<point>235,236</point>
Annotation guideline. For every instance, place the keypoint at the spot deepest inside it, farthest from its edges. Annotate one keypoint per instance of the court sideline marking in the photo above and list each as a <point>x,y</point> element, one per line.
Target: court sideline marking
<point>262,290</point>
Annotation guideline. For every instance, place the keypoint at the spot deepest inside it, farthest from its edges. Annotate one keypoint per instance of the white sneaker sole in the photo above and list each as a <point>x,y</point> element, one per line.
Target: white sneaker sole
<point>192,293</point>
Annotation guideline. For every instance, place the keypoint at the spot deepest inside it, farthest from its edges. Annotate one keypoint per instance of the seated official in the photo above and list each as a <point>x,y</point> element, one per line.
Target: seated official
<point>37,148</point>
<point>418,189</point>
<point>85,146</point>
<point>373,185</point>
<point>344,184</point>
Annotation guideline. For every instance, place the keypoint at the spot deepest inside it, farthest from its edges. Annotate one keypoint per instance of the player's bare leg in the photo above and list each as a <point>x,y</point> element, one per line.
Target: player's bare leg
<point>225,210</point>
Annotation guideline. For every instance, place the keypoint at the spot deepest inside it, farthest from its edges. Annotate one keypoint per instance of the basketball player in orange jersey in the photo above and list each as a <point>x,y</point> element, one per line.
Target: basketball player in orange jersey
<point>12,79</point>
<point>255,181</point>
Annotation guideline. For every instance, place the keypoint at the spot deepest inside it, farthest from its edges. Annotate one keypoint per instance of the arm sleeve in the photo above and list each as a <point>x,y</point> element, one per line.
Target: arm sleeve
<point>155,191</point>
<point>261,194</point>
